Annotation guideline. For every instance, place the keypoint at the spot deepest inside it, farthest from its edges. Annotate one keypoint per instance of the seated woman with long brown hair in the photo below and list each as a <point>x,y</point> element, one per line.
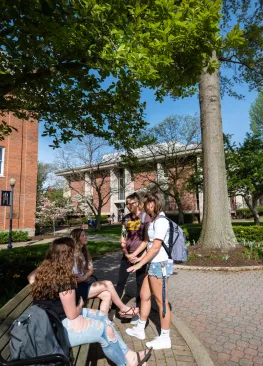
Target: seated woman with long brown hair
<point>87,287</point>
<point>54,285</point>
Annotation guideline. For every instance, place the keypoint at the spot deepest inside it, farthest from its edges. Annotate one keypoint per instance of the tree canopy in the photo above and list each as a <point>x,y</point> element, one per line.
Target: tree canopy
<point>78,65</point>
<point>256,115</point>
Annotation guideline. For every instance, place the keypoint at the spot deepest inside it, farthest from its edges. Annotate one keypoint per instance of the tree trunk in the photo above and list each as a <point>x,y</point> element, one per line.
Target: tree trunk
<point>217,232</point>
<point>180,207</point>
<point>54,226</point>
<point>98,215</point>
<point>253,208</point>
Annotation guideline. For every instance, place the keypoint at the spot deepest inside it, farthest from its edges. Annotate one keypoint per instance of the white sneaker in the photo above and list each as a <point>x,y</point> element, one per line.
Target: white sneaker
<point>134,320</point>
<point>135,332</point>
<point>159,343</point>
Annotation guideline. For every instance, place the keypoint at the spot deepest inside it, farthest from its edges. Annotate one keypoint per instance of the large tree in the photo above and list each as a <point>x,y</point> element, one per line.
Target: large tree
<point>239,47</point>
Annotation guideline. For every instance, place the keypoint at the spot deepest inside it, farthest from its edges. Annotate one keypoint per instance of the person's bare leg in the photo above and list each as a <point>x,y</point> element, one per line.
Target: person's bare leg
<point>105,298</point>
<point>138,330</point>
<point>145,296</point>
<point>100,286</point>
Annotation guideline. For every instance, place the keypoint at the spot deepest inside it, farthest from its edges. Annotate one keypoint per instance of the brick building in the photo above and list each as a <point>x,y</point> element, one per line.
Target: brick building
<point>119,181</point>
<point>18,159</point>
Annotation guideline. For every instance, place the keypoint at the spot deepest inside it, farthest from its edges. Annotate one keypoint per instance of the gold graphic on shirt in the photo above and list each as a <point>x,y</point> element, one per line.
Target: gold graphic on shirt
<point>133,225</point>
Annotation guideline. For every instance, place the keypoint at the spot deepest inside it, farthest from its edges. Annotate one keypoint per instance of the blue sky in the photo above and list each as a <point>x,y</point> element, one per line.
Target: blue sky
<point>235,114</point>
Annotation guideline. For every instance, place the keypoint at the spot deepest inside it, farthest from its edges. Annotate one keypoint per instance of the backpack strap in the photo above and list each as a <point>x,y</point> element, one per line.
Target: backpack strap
<point>171,238</point>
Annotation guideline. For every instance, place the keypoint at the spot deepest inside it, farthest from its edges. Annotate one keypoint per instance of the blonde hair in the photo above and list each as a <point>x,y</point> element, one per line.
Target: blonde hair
<point>80,250</point>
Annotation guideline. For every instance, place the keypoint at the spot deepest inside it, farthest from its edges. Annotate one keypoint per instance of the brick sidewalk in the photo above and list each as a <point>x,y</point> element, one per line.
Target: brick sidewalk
<point>225,312</point>
<point>178,355</point>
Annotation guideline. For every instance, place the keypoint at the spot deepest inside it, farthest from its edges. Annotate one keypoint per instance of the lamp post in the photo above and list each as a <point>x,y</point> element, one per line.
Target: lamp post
<point>12,185</point>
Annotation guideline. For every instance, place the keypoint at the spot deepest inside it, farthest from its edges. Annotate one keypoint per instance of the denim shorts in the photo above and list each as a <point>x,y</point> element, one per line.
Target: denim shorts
<point>155,269</point>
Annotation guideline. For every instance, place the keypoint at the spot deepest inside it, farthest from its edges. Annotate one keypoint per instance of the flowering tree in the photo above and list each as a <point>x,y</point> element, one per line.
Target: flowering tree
<point>49,212</point>
<point>81,206</point>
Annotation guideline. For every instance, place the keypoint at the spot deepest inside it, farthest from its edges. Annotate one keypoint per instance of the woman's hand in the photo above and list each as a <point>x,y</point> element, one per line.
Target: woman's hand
<point>135,260</point>
<point>134,268</point>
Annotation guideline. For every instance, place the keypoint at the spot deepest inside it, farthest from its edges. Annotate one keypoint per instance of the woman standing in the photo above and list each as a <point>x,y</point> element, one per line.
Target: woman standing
<point>156,279</point>
<point>54,285</point>
<point>87,287</point>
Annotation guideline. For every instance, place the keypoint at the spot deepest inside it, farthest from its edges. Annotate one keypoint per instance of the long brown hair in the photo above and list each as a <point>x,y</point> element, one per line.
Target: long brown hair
<point>55,274</point>
<point>80,249</point>
<point>157,200</point>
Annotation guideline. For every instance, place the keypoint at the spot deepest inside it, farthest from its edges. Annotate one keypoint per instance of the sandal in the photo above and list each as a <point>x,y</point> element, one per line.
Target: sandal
<point>147,355</point>
<point>126,314</point>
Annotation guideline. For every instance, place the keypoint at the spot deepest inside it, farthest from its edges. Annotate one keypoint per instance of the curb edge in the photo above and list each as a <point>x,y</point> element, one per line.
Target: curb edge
<point>199,352</point>
<point>223,269</point>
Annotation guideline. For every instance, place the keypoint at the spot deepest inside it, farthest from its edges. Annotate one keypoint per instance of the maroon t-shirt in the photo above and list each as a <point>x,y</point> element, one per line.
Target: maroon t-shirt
<point>135,230</point>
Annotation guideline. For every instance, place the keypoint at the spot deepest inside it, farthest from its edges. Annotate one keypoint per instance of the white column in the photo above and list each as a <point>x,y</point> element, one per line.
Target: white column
<point>88,186</point>
<point>114,191</point>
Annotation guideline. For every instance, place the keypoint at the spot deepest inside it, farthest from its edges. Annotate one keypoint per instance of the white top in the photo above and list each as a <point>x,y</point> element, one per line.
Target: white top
<point>159,229</point>
<point>75,268</point>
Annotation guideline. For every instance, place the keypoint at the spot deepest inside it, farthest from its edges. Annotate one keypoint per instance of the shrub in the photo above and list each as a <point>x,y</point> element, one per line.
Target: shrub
<point>248,233</point>
<point>244,223</point>
<point>188,217</point>
<point>17,235</point>
<point>76,221</point>
<point>193,232</point>
<point>102,217</point>
<point>245,213</point>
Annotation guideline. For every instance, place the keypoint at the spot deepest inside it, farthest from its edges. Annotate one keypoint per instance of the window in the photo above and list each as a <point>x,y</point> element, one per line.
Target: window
<point>121,184</point>
<point>2,156</point>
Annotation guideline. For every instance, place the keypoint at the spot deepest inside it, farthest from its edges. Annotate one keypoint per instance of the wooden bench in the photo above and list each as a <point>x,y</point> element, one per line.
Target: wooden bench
<point>14,308</point>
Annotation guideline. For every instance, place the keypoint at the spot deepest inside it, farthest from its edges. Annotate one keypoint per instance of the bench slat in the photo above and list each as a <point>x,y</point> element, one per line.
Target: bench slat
<point>13,303</point>
<point>5,325</point>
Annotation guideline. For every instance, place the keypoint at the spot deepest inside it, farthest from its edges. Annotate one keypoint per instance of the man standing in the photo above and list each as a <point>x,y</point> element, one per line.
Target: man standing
<point>133,232</point>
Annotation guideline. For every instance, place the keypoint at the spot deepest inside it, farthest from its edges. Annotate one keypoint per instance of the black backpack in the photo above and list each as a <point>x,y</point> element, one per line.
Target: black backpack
<point>38,332</point>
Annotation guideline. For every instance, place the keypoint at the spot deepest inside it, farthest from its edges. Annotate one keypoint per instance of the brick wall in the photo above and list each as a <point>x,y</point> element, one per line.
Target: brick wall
<point>105,190</point>
<point>20,162</point>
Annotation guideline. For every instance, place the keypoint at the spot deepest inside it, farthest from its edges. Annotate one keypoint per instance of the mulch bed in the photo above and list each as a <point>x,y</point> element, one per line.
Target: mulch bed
<point>198,256</point>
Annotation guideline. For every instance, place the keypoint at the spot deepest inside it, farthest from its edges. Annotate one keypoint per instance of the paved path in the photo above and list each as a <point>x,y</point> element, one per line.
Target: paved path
<point>49,240</point>
<point>179,355</point>
<point>225,312</point>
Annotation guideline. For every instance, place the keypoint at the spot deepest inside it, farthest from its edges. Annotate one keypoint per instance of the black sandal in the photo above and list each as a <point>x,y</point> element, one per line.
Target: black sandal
<point>123,314</point>
<point>147,355</point>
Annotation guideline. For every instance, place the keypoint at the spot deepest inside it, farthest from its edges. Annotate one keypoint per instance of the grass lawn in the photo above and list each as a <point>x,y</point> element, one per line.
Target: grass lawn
<point>16,264</point>
<point>110,231</point>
